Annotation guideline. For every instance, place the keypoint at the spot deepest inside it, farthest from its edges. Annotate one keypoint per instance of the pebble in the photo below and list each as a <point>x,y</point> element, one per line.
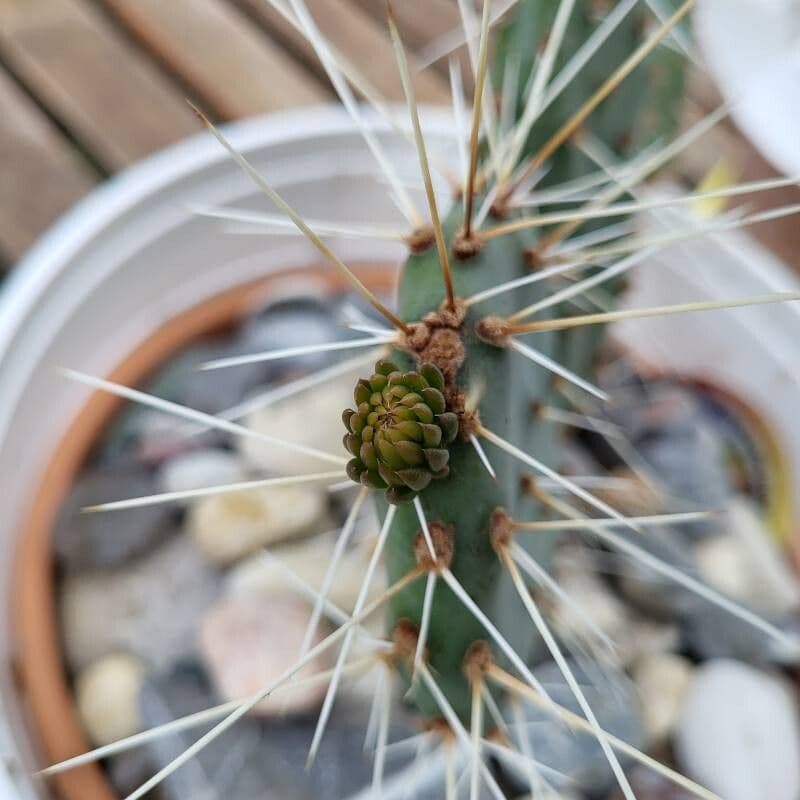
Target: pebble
<point>712,632</point>
<point>632,634</point>
<point>150,608</point>
<point>107,696</point>
<point>291,322</point>
<point>247,641</point>
<point>578,755</point>
<point>215,391</point>
<point>228,527</point>
<point>747,565</point>
<point>663,681</point>
<point>671,433</point>
<point>649,785</point>
<point>152,436</point>
<point>263,758</point>
<point>689,462</point>
<point>198,469</point>
<point>130,769</point>
<point>739,735</point>
<point>650,591</point>
<point>308,559</point>
<point>107,540</point>
<point>312,418</point>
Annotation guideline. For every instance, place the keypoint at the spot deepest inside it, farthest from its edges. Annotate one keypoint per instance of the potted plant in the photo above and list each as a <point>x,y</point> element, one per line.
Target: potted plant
<point>444,431</point>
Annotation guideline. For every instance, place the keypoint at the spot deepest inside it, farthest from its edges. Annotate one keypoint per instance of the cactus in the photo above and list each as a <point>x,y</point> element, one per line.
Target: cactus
<point>453,340</point>
<point>457,380</point>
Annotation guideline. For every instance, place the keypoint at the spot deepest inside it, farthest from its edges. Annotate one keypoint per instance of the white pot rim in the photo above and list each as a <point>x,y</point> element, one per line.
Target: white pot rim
<point>114,197</point>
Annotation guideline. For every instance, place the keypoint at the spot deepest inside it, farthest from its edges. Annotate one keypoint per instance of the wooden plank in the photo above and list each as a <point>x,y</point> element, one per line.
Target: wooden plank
<point>420,21</point>
<point>40,174</point>
<point>221,54</point>
<point>358,35</point>
<point>111,98</point>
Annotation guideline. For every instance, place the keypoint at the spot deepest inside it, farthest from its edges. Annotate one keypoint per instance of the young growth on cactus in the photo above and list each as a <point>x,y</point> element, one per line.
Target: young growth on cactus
<point>400,432</point>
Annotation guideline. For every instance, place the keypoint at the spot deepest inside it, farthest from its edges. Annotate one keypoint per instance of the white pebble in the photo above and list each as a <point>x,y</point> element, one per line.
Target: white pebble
<point>663,681</point>
<point>313,419</point>
<point>747,565</point>
<point>309,559</point>
<point>739,734</point>
<point>199,469</point>
<point>107,694</point>
<point>248,641</point>
<point>227,527</point>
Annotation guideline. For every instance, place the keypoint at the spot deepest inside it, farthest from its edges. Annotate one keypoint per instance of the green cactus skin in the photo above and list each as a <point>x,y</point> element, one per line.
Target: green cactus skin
<point>464,501</point>
<point>467,498</point>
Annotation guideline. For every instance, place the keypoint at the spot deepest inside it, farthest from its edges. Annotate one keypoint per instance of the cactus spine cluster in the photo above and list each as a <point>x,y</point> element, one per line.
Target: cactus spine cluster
<point>464,501</point>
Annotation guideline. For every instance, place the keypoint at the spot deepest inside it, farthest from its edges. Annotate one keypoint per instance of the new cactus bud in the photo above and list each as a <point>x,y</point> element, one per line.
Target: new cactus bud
<point>400,430</point>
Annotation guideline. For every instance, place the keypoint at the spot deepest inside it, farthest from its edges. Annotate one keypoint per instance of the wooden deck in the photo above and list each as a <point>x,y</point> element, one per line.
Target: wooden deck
<point>88,87</point>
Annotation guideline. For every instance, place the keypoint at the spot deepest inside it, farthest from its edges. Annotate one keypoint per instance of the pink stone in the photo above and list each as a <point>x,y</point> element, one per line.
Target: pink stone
<point>248,640</point>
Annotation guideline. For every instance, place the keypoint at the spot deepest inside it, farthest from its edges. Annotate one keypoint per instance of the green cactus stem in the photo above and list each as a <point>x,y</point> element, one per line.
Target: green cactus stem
<point>386,442</point>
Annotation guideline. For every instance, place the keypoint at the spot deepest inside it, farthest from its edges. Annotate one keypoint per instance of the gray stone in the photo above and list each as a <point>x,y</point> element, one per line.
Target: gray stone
<point>739,733</point>
<point>150,608</point>
<point>292,322</point>
<point>106,540</point>
<point>149,436</point>
<point>258,759</point>
<point>651,591</point>
<point>648,785</point>
<point>197,469</point>
<point>214,391</point>
<point>711,632</point>
<point>689,461</point>
<point>614,701</point>
<point>681,444</point>
<point>129,770</point>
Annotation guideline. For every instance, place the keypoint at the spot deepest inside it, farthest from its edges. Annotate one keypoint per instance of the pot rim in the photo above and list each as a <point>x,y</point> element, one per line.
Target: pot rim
<point>113,198</point>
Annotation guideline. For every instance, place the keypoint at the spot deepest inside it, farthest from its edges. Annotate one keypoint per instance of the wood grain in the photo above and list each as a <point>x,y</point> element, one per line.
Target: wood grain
<point>223,56</point>
<point>111,98</point>
<point>420,21</point>
<point>364,40</point>
<point>40,173</point>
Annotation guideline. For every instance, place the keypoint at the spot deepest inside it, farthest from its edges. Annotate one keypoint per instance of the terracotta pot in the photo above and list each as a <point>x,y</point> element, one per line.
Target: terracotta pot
<point>42,674</point>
